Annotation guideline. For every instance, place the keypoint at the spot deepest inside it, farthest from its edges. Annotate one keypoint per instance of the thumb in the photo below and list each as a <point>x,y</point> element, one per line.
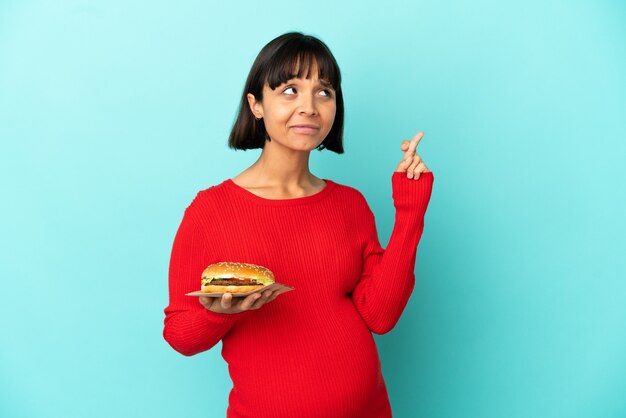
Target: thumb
<point>227,300</point>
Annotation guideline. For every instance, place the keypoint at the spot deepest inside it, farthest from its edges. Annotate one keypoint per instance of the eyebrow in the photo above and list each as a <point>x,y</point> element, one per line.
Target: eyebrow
<point>325,84</point>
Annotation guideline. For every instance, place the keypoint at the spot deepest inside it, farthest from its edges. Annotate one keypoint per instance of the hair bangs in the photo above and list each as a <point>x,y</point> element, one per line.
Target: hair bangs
<point>297,60</point>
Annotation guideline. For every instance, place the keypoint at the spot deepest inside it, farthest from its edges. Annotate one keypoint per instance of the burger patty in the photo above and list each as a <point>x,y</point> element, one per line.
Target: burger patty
<point>231,282</point>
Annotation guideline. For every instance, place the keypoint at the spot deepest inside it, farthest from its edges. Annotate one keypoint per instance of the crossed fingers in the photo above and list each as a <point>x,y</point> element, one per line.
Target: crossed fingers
<point>412,163</point>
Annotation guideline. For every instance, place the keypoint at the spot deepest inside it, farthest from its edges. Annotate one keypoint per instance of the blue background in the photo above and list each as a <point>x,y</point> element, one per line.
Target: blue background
<point>114,114</point>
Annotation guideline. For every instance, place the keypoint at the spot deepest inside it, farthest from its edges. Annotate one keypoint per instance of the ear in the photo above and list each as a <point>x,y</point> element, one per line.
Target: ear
<point>255,107</point>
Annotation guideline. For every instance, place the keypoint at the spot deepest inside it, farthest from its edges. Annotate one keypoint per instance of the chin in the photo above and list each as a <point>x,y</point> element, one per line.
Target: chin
<point>307,143</point>
<point>299,142</point>
<point>310,146</point>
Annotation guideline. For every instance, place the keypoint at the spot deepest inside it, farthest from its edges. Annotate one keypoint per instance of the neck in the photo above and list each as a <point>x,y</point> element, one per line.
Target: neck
<point>281,166</point>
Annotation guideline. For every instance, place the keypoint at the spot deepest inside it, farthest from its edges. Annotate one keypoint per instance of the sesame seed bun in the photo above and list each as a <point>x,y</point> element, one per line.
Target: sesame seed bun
<point>252,277</point>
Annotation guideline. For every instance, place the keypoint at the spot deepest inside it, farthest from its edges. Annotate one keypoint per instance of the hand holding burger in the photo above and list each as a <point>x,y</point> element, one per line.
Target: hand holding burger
<point>225,303</point>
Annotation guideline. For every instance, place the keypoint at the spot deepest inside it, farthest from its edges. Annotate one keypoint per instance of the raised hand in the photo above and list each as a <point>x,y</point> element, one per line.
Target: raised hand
<point>412,163</point>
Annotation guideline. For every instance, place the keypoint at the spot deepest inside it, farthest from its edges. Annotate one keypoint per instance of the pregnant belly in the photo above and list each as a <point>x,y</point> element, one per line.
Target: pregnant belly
<point>305,367</point>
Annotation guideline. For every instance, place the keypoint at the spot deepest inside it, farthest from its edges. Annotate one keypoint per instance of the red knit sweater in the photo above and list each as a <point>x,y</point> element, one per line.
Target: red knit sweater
<point>309,353</point>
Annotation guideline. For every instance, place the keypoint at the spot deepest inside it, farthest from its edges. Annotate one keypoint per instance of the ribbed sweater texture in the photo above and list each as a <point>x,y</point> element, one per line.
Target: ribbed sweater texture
<point>309,353</point>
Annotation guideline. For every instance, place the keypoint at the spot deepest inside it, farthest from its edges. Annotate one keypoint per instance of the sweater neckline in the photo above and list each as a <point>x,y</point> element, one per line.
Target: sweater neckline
<point>315,197</point>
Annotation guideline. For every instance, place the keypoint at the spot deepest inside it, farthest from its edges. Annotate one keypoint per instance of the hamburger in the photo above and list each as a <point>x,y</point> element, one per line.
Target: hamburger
<point>231,277</point>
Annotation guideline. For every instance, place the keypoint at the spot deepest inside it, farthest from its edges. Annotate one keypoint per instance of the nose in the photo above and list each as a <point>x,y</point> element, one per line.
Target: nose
<point>307,105</point>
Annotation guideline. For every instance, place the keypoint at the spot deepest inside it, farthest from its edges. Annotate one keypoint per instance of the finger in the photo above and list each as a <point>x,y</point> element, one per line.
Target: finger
<point>404,164</point>
<point>249,301</point>
<point>261,300</point>
<point>418,170</point>
<point>205,301</point>
<point>274,295</point>
<point>416,160</point>
<point>226,301</point>
<point>258,302</point>
<point>267,295</point>
<point>405,145</point>
<point>413,144</point>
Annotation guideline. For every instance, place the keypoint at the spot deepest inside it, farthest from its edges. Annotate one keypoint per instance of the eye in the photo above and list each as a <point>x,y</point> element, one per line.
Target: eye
<point>328,92</point>
<point>288,89</point>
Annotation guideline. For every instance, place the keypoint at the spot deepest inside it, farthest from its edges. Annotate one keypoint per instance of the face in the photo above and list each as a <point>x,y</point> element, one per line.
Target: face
<point>297,102</point>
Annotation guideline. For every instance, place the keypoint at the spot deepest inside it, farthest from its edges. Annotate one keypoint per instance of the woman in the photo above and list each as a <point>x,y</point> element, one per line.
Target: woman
<point>311,352</point>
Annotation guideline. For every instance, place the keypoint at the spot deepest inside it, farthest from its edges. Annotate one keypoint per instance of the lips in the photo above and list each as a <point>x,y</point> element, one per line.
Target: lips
<point>305,128</point>
<point>305,125</point>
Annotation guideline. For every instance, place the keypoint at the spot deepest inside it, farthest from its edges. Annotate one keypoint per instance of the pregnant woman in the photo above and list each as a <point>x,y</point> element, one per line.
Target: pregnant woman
<point>310,352</point>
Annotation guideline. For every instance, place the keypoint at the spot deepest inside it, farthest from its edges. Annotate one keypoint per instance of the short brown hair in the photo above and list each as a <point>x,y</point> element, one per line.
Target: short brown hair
<point>276,64</point>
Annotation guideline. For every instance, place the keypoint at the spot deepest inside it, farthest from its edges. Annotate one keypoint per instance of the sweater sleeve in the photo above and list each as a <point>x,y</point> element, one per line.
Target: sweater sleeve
<point>379,303</point>
<point>189,327</point>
